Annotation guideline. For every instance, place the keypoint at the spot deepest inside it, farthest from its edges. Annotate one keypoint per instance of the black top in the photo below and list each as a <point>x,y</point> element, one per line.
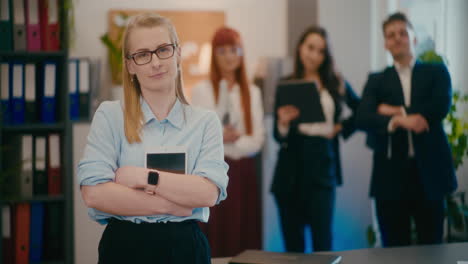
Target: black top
<point>304,161</point>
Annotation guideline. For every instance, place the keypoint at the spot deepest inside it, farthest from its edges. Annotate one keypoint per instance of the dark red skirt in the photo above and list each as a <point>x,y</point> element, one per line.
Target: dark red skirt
<point>235,224</point>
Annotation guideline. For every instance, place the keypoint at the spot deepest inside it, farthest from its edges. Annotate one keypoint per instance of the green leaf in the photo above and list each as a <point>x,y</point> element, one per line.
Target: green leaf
<point>431,56</point>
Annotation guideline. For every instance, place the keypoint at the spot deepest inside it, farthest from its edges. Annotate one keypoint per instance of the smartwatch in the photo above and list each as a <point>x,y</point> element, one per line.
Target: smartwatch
<point>153,178</point>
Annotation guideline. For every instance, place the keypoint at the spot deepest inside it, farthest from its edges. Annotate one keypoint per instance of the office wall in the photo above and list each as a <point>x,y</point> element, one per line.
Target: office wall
<point>86,232</point>
<point>349,26</point>
<point>263,32</point>
<point>301,14</point>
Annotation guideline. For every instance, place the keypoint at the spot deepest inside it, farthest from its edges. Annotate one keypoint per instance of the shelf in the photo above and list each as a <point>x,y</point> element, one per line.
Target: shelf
<point>56,127</point>
<point>58,209</point>
<point>27,55</point>
<point>37,198</point>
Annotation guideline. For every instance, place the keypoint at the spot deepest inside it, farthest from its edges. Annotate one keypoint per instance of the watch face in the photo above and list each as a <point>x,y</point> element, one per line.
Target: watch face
<point>153,177</point>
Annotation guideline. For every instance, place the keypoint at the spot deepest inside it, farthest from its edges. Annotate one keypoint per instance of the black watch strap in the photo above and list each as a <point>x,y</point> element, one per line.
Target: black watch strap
<point>153,179</point>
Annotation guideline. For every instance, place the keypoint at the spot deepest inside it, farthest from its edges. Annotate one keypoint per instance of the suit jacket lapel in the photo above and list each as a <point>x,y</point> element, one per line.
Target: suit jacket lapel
<point>415,77</point>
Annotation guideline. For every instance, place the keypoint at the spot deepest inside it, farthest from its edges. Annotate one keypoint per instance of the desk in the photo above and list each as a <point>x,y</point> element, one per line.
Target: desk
<point>431,254</point>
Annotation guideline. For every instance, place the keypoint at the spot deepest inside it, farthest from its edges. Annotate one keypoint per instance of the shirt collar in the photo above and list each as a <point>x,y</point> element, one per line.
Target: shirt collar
<point>175,116</point>
<point>400,67</point>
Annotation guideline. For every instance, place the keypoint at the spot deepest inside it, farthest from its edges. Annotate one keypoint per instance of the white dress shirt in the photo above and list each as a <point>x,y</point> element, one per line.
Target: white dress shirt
<point>405,73</point>
<point>322,129</point>
<point>230,103</point>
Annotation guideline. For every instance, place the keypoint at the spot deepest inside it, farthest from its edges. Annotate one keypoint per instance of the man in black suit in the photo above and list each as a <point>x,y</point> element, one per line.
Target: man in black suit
<point>402,110</point>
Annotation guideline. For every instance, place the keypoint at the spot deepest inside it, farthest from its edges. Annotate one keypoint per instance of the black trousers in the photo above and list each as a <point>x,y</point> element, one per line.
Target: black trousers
<point>395,217</point>
<point>127,242</point>
<point>315,210</point>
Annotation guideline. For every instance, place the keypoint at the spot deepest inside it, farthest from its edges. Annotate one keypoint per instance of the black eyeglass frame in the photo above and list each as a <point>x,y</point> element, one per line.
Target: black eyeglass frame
<point>132,56</point>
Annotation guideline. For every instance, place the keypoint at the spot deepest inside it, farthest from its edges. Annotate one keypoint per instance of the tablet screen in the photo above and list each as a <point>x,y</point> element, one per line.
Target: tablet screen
<point>169,162</point>
<point>303,95</point>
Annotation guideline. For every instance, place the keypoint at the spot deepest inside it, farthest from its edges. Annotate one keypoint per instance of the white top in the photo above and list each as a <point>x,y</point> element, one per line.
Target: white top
<point>230,103</point>
<point>322,129</point>
<point>405,74</point>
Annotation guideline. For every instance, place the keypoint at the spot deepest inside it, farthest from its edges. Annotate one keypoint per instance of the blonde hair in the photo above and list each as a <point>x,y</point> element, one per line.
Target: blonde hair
<point>133,116</point>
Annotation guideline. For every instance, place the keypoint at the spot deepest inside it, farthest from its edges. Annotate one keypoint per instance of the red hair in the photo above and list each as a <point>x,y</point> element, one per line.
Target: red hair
<point>228,36</point>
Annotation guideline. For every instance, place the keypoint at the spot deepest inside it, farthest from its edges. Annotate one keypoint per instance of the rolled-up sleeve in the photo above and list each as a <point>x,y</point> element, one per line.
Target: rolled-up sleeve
<point>210,162</point>
<point>99,162</point>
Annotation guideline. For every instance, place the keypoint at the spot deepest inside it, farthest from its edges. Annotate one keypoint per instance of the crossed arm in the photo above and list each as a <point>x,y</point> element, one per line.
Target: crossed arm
<point>176,194</point>
<point>114,198</point>
<point>382,118</point>
<point>416,122</point>
<point>120,191</point>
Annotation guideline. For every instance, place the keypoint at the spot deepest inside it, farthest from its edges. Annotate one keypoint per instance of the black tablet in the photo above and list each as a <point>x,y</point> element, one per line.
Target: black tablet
<point>170,159</point>
<point>303,95</point>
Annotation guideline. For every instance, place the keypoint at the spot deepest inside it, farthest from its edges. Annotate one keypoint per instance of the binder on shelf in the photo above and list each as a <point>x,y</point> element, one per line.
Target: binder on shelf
<point>17,92</point>
<point>39,166</point>
<point>11,161</point>
<point>49,24</point>
<point>19,26</point>
<point>26,185</point>
<point>84,87</point>
<point>47,91</point>
<point>7,238</point>
<point>22,220</point>
<point>6,26</point>
<point>33,31</point>
<point>73,86</point>
<point>53,229</point>
<point>37,232</point>
<point>53,171</point>
<point>5,91</point>
<point>30,93</point>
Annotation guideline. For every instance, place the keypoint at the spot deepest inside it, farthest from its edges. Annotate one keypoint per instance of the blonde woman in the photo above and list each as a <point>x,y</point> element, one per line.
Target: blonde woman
<point>152,215</point>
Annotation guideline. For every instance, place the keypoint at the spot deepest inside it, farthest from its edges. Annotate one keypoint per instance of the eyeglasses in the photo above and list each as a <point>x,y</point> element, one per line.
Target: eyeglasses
<point>231,49</point>
<point>145,57</point>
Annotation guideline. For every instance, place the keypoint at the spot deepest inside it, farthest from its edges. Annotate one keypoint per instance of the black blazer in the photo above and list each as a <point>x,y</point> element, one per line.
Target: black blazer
<point>305,161</point>
<point>431,96</point>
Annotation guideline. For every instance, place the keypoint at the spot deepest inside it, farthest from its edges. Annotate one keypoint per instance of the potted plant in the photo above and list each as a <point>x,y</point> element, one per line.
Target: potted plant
<point>113,44</point>
<point>457,133</point>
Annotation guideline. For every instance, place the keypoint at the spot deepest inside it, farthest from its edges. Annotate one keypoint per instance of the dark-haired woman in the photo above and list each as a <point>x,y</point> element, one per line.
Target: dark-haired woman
<point>308,167</point>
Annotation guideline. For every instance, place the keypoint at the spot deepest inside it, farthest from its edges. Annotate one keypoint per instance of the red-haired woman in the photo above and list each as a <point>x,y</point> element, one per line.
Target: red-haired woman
<point>234,225</point>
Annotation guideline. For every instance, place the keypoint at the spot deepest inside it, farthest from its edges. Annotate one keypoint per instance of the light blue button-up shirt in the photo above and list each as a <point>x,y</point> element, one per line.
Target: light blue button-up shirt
<point>196,129</point>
